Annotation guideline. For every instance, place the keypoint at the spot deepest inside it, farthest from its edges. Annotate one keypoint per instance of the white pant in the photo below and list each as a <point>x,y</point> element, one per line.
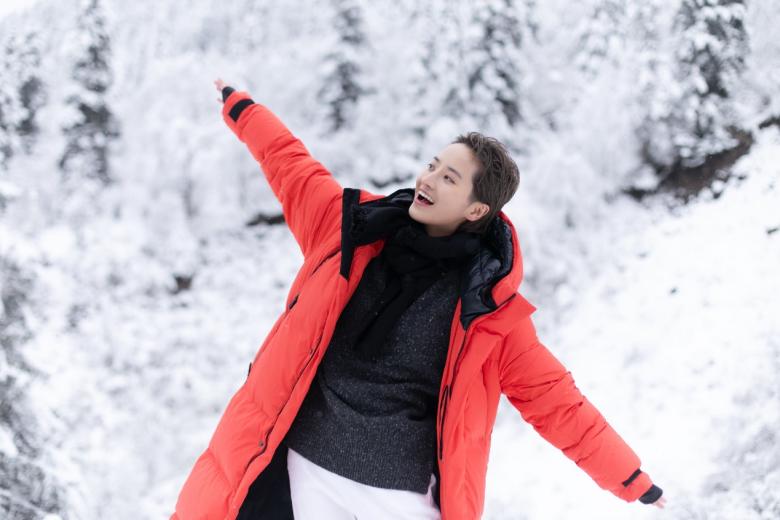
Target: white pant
<point>322,495</point>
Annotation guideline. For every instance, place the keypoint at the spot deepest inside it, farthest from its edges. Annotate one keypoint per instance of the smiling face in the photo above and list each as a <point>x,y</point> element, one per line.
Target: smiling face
<point>447,180</point>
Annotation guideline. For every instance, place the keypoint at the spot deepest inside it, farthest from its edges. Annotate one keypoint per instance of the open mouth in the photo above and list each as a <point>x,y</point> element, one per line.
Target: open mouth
<point>422,200</point>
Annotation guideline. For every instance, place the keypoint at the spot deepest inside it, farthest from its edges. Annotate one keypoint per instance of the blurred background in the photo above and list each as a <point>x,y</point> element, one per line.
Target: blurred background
<point>143,256</point>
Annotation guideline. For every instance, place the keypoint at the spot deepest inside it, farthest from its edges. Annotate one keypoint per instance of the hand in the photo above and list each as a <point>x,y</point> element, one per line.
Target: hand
<point>660,502</point>
<point>220,85</point>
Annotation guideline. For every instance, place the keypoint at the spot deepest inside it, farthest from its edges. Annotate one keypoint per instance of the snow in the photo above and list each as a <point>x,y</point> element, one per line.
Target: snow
<point>12,6</point>
<point>666,314</point>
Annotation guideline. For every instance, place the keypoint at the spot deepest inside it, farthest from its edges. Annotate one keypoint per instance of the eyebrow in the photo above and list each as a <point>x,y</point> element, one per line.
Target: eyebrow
<point>453,170</point>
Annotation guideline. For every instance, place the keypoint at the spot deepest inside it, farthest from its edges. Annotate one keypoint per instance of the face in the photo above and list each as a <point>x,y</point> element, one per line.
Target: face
<point>447,180</point>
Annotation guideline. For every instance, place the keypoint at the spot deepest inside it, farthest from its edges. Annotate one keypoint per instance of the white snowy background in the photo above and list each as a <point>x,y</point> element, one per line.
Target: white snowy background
<point>135,288</point>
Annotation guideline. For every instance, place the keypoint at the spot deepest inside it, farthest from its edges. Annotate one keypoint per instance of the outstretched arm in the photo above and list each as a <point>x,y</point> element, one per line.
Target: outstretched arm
<point>544,392</point>
<point>310,196</point>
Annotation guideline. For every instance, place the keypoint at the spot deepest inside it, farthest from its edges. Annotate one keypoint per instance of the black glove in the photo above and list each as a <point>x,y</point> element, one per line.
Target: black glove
<point>226,92</point>
<point>651,495</point>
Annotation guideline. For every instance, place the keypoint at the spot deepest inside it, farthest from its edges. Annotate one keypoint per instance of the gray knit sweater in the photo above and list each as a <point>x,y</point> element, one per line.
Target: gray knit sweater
<point>375,422</point>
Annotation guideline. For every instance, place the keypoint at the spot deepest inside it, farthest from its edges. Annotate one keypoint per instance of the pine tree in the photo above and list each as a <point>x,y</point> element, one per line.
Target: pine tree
<point>432,89</point>
<point>7,108</point>
<point>89,137</point>
<point>446,54</point>
<point>21,94</point>
<point>466,69</point>
<point>344,83</point>
<point>600,35</point>
<point>494,60</point>
<point>31,93</point>
<point>710,57</point>
<point>26,489</point>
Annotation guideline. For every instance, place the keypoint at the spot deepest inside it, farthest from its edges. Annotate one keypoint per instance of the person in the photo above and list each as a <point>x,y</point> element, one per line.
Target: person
<point>375,392</point>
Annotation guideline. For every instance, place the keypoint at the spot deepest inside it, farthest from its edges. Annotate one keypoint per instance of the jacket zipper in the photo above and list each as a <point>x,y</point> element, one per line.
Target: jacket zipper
<point>448,388</point>
<point>264,442</point>
<point>446,395</point>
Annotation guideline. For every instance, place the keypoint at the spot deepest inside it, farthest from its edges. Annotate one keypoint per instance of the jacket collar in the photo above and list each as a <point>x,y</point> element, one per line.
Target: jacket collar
<point>491,276</point>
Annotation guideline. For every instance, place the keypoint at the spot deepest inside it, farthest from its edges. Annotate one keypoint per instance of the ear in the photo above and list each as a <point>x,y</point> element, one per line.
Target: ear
<point>477,210</point>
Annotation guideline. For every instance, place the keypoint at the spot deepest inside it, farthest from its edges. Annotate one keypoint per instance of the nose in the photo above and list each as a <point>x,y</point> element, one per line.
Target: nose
<point>428,175</point>
<point>424,185</point>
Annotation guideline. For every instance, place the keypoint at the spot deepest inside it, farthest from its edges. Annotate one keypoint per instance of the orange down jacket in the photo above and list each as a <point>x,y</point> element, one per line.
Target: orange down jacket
<point>493,349</point>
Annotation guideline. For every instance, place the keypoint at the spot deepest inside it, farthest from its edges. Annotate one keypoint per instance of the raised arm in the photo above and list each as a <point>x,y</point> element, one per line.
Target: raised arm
<point>310,196</point>
<point>544,392</point>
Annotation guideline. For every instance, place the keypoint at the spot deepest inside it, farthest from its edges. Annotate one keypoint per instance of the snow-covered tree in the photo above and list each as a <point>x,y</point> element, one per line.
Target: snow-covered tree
<point>697,117</point>
<point>468,68</point>
<point>21,93</point>
<point>344,81</point>
<point>27,489</point>
<point>600,35</point>
<point>494,61</point>
<point>7,106</point>
<point>95,125</point>
<point>431,90</point>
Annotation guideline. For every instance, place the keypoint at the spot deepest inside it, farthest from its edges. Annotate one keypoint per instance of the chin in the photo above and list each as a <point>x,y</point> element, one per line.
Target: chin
<point>415,216</point>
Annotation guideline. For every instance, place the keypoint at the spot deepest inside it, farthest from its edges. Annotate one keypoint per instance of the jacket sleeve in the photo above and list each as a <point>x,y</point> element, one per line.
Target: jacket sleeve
<point>310,196</point>
<point>544,392</point>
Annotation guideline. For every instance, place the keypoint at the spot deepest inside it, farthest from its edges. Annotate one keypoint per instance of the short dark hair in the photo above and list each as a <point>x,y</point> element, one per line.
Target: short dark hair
<point>496,181</point>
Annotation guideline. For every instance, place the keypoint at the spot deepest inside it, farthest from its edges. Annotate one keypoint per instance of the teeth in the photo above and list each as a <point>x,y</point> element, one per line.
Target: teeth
<point>426,197</point>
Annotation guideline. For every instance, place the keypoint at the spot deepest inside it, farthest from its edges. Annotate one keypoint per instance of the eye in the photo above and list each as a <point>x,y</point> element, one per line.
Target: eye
<point>430,165</point>
<point>450,178</point>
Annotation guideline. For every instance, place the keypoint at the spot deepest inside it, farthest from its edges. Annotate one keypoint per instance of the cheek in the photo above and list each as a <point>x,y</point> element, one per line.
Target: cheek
<point>446,210</point>
<point>452,203</point>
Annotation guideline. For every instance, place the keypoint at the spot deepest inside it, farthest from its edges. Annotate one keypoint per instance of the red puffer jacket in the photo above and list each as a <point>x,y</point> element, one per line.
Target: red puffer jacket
<point>493,349</point>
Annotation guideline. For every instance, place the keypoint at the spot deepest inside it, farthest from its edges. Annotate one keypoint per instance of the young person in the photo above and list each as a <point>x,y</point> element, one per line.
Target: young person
<point>375,393</point>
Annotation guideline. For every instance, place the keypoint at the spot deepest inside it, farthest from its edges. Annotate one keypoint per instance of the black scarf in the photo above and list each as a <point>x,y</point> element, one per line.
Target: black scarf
<point>414,259</point>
